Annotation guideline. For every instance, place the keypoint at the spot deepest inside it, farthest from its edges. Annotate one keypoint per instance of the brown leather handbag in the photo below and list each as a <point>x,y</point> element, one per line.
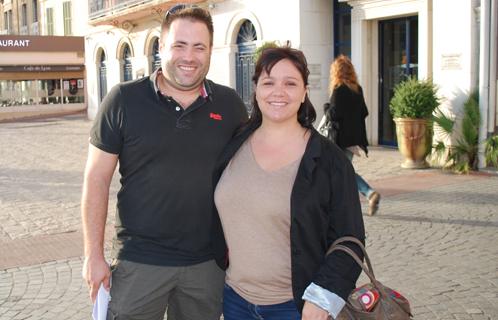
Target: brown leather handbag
<point>372,301</point>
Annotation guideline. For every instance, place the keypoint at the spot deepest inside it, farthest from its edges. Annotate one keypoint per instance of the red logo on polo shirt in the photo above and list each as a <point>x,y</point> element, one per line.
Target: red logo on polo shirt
<point>215,116</point>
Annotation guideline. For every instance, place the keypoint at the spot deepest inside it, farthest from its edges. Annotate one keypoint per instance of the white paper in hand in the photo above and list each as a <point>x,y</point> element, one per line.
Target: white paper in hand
<point>101,303</point>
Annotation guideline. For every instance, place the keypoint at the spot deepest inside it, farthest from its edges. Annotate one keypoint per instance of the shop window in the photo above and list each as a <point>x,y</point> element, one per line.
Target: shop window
<point>50,21</point>
<point>51,91</point>
<point>18,93</point>
<point>67,18</point>
<point>73,91</point>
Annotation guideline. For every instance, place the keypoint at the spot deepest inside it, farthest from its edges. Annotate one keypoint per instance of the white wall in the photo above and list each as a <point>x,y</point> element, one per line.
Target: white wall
<point>316,41</point>
<point>276,20</point>
<point>454,60</point>
<point>365,50</point>
<point>296,21</point>
<point>307,24</point>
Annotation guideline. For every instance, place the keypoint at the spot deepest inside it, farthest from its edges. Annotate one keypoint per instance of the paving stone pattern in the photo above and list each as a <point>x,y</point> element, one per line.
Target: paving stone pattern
<point>435,237</point>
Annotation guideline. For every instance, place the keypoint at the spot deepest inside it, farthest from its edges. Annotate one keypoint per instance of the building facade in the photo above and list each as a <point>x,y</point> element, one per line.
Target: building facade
<point>19,17</point>
<point>123,43</point>
<point>387,40</point>
<point>42,68</point>
<point>455,48</point>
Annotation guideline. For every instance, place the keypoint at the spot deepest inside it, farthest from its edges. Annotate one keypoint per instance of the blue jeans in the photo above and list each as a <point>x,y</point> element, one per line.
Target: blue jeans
<point>237,308</point>
<point>363,187</point>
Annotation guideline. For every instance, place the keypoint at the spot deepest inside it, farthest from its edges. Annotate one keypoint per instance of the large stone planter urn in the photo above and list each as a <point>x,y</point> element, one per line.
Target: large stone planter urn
<point>414,141</point>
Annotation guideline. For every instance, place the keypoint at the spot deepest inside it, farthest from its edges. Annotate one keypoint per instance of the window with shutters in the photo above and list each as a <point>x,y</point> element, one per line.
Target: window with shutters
<point>50,21</point>
<point>35,10</point>
<point>67,18</point>
<point>24,15</point>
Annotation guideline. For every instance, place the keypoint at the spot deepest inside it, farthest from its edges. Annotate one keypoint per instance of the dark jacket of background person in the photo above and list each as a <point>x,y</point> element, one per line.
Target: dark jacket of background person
<point>349,110</point>
<point>320,213</point>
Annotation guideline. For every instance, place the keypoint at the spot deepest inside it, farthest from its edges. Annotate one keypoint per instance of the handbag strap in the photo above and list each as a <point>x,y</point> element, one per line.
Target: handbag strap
<point>358,261</point>
<point>356,241</point>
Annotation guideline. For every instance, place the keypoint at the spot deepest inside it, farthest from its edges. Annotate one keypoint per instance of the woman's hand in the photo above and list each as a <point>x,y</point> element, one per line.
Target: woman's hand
<point>313,312</point>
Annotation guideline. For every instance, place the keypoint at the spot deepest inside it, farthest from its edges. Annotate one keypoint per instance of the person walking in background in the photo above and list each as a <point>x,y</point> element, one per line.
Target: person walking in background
<point>285,193</point>
<point>347,111</point>
<point>166,131</point>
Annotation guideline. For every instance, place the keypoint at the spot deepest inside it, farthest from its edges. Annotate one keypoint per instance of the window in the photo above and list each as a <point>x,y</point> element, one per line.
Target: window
<point>24,15</point>
<point>35,10</point>
<point>7,21</point>
<point>127,66</point>
<point>102,76</point>
<point>246,44</point>
<point>156,56</point>
<point>342,29</point>
<point>67,18</point>
<point>50,21</point>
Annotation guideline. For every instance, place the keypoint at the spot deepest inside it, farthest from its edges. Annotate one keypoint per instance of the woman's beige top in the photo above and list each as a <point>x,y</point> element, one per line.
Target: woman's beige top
<point>254,207</point>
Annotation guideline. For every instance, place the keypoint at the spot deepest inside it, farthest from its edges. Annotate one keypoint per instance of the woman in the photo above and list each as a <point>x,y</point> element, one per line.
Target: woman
<point>348,112</point>
<point>284,195</point>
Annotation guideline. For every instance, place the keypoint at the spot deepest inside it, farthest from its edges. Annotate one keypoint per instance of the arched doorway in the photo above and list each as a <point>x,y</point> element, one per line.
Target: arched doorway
<point>246,46</point>
<point>102,77</point>
<point>156,56</point>
<point>127,69</point>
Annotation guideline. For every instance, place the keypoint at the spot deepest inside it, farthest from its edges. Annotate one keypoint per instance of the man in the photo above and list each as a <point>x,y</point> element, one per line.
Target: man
<point>166,131</point>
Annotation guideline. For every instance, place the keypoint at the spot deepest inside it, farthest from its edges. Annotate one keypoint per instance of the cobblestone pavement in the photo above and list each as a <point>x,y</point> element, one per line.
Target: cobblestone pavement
<point>435,237</point>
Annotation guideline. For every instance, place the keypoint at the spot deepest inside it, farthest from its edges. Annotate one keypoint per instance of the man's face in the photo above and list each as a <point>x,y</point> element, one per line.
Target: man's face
<point>185,53</point>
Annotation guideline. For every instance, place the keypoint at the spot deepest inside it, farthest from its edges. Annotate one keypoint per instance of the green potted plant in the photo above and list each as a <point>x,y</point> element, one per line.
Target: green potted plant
<point>412,106</point>
<point>262,47</point>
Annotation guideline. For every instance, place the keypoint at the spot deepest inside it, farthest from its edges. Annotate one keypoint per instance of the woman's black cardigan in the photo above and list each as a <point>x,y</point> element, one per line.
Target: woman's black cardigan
<point>348,110</point>
<point>324,206</point>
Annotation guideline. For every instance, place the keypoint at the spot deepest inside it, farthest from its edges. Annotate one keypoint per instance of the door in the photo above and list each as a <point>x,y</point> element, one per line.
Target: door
<point>398,59</point>
<point>246,46</point>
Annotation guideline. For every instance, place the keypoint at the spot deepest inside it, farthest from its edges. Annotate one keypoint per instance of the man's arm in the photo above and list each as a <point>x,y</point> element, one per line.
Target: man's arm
<point>99,169</point>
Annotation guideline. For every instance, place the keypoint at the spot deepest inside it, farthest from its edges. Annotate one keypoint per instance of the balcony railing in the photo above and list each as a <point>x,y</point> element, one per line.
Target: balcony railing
<point>35,29</point>
<point>23,30</point>
<point>101,8</point>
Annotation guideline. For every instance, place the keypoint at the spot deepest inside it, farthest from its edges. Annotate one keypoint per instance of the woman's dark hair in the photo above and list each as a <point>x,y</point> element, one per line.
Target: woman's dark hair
<point>306,114</point>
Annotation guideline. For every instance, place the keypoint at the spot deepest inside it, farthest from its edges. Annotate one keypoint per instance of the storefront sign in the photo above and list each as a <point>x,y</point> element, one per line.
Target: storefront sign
<point>41,68</point>
<point>42,43</point>
<point>14,43</point>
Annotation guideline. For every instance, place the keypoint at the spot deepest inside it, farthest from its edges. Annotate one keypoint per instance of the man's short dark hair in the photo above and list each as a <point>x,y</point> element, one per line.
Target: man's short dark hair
<point>192,13</point>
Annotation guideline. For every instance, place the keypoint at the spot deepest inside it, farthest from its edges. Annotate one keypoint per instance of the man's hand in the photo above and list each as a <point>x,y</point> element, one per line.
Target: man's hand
<point>313,312</point>
<point>97,179</point>
<point>96,271</point>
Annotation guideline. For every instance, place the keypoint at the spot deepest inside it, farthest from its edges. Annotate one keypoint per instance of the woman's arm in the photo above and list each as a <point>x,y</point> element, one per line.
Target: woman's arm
<point>337,276</point>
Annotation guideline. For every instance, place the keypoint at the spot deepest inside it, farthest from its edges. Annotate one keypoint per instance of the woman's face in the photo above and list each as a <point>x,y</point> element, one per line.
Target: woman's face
<point>280,93</point>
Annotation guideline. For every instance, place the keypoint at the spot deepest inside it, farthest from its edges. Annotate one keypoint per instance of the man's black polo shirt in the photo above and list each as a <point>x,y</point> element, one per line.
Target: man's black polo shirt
<point>166,160</point>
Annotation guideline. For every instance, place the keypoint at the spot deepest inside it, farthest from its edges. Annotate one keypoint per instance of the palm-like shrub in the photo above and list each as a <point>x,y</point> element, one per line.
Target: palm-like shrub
<point>462,156</point>
<point>491,151</point>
